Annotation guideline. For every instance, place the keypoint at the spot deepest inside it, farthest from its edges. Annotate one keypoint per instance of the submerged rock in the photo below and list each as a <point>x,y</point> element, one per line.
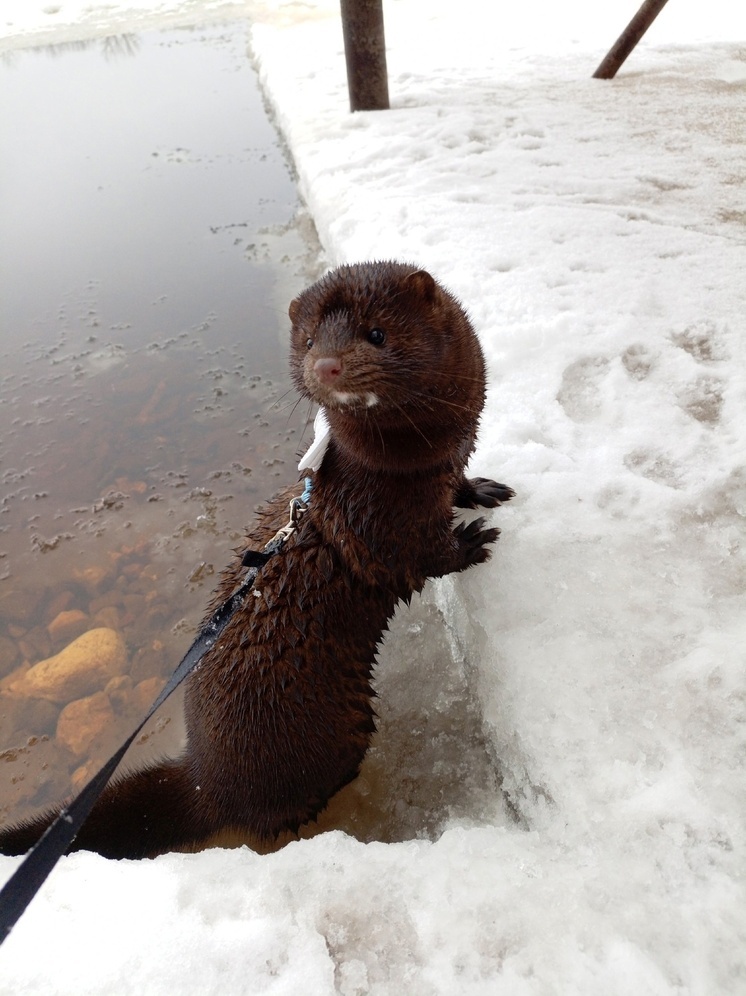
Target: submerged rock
<point>18,605</point>
<point>83,722</point>
<point>68,624</point>
<point>9,655</point>
<point>82,667</point>
<point>145,693</point>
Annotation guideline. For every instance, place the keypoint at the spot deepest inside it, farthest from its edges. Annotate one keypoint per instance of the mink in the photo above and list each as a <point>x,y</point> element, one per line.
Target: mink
<point>280,711</point>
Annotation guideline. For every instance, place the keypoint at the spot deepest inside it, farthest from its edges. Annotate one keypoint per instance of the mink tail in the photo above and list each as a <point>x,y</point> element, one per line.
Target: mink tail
<point>140,815</point>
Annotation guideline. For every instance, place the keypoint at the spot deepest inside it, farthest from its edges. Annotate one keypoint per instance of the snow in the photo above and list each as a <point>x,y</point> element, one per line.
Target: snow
<point>596,233</point>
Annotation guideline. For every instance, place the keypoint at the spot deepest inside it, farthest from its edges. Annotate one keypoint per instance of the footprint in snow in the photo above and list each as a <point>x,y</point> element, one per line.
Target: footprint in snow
<point>702,340</point>
<point>703,397</point>
<point>580,390</point>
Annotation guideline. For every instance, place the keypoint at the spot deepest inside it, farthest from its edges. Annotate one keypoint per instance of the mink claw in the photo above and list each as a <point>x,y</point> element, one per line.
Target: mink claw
<point>473,540</point>
<point>482,492</point>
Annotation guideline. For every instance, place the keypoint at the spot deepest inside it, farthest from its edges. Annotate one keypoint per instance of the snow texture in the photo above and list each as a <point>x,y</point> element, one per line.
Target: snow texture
<point>595,845</point>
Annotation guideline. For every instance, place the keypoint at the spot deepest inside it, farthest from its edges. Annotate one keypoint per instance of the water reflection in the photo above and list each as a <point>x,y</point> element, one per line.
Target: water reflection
<point>111,47</point>
<point>116,46</point>
<point>142,394</point>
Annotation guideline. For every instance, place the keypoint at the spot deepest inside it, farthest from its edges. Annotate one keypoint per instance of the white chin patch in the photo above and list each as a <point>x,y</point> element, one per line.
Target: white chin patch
<point>348,398</point>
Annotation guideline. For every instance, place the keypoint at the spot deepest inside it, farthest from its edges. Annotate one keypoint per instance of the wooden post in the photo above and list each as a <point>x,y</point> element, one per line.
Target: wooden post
<point>365,53</point>
<point>626,42</point>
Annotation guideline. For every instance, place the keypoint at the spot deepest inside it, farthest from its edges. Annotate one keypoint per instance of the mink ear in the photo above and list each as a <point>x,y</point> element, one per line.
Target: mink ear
<point>293,310</point>
<point>422,284</point>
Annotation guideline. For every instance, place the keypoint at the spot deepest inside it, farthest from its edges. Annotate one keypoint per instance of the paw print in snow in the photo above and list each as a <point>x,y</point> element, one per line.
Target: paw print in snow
<point>654,466</point>
<point>702,341</point>
<point>637,360</point>
<point>703,399</point>
<point>580,390</point>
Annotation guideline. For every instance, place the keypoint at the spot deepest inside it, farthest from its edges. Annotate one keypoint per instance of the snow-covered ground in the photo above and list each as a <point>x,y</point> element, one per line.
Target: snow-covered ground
<point>596,232</point>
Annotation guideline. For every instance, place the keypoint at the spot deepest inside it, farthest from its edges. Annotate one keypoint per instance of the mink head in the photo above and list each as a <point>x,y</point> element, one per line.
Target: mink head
<point>384,343</point>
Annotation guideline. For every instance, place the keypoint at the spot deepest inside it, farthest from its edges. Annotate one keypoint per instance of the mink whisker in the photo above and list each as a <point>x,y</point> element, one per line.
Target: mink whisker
<point>435,402</point>
<point>277,401</point>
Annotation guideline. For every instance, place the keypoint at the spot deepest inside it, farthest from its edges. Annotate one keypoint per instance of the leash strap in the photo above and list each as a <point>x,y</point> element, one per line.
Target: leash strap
<point>31,874</point>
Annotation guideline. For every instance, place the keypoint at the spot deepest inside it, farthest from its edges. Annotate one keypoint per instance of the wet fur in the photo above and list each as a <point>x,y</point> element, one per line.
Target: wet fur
<point>279,714</point>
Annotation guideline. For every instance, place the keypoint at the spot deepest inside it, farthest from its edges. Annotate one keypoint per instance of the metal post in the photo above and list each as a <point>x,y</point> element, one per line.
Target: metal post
<point>626,42</point>
<point>365,53</point>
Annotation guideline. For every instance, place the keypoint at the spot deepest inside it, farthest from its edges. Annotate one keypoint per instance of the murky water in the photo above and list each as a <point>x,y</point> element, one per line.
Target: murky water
<point>148,250</point>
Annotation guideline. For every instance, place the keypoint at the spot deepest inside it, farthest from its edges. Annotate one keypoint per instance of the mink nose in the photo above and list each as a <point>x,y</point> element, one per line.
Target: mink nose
<point>327,369</point>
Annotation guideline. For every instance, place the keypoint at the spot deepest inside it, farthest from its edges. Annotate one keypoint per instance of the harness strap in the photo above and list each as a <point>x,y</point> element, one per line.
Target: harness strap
<point>30,875</point>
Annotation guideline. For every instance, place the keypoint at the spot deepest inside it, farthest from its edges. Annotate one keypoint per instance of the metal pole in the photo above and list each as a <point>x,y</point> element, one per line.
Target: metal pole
<point>626,42</point>
<point>365,54</point>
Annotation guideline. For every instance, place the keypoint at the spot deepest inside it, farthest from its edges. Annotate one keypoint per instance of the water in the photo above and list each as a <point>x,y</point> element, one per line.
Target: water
<point>146,203</point>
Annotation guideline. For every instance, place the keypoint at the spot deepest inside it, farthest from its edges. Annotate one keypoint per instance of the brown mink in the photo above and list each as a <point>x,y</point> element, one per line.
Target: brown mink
<point>279,714</point>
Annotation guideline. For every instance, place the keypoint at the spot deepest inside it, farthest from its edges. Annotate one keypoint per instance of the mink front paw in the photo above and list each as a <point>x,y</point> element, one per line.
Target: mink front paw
<point>472,539</point>
<point>481,491</point>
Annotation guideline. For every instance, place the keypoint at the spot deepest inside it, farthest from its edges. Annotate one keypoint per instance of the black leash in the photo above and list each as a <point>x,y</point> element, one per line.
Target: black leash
<point>30,875</point>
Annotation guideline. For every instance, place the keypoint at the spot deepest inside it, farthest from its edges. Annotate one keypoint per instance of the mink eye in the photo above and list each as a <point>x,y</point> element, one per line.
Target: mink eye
<point>376,337</point>
<point>309,343</point>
